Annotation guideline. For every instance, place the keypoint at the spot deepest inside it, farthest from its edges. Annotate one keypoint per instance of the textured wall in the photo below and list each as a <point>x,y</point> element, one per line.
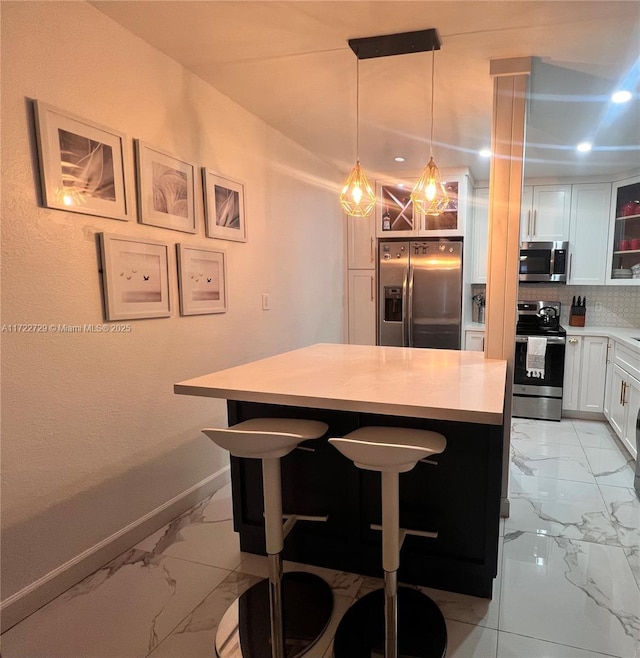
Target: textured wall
<point>92,435</point>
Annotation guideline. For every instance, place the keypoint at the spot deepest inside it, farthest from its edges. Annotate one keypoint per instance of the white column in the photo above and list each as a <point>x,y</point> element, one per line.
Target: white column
<point>510,88</point>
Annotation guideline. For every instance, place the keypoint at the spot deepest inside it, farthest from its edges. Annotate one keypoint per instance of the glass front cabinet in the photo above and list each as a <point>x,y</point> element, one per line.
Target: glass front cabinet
<point>395,216</point>
<point>624,236</point>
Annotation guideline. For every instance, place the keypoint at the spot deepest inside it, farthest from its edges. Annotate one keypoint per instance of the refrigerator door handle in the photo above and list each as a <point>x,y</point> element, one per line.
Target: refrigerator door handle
<point>410,307</point>
<point>404,310</point>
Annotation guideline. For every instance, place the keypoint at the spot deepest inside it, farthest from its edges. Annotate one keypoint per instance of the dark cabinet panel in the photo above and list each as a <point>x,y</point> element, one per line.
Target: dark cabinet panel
<point>459,498</point>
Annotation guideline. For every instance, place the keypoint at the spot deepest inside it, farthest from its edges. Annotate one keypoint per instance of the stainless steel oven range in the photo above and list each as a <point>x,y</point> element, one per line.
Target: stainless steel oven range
<point>538,370</point>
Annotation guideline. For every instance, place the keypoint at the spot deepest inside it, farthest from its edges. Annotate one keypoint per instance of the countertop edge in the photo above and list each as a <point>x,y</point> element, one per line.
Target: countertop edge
<point>410,411</point>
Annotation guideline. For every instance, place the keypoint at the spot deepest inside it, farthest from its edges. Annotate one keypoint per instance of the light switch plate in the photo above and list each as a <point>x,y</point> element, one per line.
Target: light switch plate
<point>266,301</point>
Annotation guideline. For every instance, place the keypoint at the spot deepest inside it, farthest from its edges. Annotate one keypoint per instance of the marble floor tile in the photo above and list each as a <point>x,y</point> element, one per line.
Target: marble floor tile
<point>564,462</point>
<point>569,592</point>
<point>203,534</point>
<point>518,646</point>
<point>623,506</point>
<point>560,508</point>
<point>595,434</point>
<point>545,431</point>
<point>470,609</point>
<point>124,609</point>
<point>613,467</point>
<point>195,635</point>
<point>469,641</point>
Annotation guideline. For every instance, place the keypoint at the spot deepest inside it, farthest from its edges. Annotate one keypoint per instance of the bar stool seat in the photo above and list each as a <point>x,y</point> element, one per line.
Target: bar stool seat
<point>391,622</point>
<point>285,615</point>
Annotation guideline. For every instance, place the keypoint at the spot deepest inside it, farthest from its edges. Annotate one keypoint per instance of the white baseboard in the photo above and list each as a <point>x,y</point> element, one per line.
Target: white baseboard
<point>23,603</point>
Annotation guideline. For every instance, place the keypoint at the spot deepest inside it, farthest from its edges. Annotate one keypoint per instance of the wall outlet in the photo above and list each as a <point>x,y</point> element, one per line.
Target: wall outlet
<point>266,301</point>
<point>598,306</point>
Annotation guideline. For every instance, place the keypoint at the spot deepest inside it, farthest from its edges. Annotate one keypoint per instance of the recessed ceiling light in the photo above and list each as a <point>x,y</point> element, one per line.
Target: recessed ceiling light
<point>485,153</point>
<point>399,159</point>
<point>584,147</point>
<point>622,96</point>
<point>400,184</point>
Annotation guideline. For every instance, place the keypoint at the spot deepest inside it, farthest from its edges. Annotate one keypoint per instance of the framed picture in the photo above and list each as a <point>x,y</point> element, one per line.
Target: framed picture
<point>84,167</point>
<point>166,189</point>
<point>202,275</point>
<point>224,207</point>
<point>135,277</point>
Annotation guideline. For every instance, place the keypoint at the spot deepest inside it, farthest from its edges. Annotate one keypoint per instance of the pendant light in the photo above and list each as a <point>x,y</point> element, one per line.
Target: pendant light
<point>429,195</point>
<point>357,197</point>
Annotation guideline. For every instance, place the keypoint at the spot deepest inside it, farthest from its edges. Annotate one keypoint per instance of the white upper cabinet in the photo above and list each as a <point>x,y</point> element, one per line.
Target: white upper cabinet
<point>479,235</point>
<point>588,232</point>
<point>361,243</point>
<point>395,216</point>
<point>545,213</point>
<point>624,234</point>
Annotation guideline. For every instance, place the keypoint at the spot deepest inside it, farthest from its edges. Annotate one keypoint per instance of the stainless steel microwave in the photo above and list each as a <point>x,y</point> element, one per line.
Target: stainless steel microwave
<point>544,262</point>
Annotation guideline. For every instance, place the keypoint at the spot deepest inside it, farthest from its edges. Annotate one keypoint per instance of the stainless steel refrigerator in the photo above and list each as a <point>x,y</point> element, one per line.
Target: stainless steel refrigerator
<point>420,293</point>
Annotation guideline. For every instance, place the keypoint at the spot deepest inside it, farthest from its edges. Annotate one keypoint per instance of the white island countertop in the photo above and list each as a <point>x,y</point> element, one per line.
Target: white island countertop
<point>419,383</point>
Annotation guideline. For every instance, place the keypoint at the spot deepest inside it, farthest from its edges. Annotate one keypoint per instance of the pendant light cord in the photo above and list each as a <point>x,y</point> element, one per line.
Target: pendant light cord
<point>357,108</point>
<point>433,68</point>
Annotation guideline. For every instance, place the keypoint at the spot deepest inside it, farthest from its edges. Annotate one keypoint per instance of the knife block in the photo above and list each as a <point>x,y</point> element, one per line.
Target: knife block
<point>577,317</point>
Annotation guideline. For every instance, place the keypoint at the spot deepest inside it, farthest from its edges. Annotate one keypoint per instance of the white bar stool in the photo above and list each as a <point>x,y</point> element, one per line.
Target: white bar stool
<point>298,605</point>
<point>413,624</point>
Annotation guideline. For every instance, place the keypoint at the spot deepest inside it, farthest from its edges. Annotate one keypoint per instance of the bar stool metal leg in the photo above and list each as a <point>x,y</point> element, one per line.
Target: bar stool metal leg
<point>275,542</point>
<point>390,558</point>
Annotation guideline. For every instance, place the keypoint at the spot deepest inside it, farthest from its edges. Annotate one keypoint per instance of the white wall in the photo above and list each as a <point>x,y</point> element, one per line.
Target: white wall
<point>92,435</point>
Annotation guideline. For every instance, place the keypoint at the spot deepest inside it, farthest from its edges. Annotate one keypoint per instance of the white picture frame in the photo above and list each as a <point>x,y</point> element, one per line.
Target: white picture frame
<point>202,279</point>
<point>135,277</point>
<point>224,207</point>
<point>166,189</point>
<point>84,167</point>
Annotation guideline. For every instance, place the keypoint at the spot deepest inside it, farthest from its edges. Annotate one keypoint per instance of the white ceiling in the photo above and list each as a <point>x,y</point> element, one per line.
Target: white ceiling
<point>289,63</point>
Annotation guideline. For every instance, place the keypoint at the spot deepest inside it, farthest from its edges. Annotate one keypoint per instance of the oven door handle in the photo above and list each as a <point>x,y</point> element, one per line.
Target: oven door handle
<point>552,340</point>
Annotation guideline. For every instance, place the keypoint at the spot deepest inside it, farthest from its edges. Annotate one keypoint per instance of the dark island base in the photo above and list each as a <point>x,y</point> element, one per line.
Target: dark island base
<point>459,498</point>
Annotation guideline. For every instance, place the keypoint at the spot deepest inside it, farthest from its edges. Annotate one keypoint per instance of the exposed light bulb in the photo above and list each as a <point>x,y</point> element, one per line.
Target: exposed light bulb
<point>357,197</point>
<point>621,96</point>
<point>429,195</point>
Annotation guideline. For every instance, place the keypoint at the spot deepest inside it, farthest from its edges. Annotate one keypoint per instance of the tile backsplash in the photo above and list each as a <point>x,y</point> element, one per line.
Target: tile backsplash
<point>617,306</point>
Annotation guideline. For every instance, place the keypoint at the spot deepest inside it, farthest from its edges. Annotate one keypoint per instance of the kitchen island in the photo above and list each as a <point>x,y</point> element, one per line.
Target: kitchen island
<point>460,394</point>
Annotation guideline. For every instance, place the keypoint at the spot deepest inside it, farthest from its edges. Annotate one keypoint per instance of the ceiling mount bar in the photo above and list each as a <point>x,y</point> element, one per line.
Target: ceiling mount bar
<point>395,44</point>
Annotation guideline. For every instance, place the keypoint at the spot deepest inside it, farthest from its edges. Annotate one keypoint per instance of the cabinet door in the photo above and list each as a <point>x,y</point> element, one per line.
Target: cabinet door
<point>526,214</point>
<point>588,233</point>
<point>474,341</point>
<point>632,406</point>
<point>617,418</point>
<point>450,222</point>
<point>593,366</point>
<point>361,254</point>
<point>608,381</point>
<point>571,384</point>
<point>362,307</point>
<point>551,212</point>
<point>480,236</point>
<point>395,216</point>
<point>624,232</point>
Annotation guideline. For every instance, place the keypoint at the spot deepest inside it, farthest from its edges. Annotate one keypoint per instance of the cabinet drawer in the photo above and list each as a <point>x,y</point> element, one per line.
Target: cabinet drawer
<point>627,360</point>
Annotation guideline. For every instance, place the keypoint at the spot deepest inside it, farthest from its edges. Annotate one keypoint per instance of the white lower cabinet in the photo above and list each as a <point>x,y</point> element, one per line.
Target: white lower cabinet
<point>474,341</point>
<point>625,397</point>
<point>585,366</point>
<point>362,307</point>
